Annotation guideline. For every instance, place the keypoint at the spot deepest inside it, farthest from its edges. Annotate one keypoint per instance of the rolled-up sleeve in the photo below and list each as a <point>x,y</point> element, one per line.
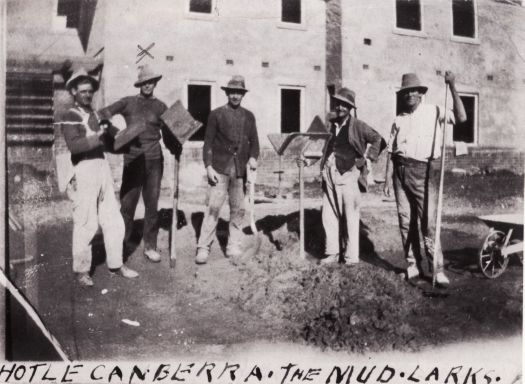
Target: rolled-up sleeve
<point>391,138</point>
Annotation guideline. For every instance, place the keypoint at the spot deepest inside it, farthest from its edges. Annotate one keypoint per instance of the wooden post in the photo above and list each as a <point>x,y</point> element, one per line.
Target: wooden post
<point>174,221</point>
<point>301,207</point>
<point>3,165</point>
<point>437,239</point>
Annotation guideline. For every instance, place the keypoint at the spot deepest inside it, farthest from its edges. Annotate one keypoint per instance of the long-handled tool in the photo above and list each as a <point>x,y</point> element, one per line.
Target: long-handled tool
<point>175,207</point>
<point>251,177</point>
<point>437,240</point>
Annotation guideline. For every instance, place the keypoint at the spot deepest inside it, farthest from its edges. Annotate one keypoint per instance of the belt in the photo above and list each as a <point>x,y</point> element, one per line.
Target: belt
<point>408,161</point>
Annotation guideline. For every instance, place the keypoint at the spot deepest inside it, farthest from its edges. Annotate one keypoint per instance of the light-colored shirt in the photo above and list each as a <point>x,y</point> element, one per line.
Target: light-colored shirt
<point>412,134</point>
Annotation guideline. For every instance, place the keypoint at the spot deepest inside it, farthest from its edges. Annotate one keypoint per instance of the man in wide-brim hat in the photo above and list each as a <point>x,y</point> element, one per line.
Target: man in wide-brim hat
<point>143,159</point>
<point>344,170</point>
<point>231,144</point>
<point>414,148</point>
<point>90,185</point>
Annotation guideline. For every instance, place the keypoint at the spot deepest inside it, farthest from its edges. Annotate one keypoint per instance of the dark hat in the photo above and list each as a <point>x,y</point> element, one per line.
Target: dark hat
<point>81,74</point>
<point>411,81</point>
<point>346,96</point>
<point>146,74</point>
<point>236,83</point>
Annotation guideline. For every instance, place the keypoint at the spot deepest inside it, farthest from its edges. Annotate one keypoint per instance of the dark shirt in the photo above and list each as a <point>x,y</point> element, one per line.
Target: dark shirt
<point>230,140</point>
<point>80,127</point>
<point>344,153</point>
<point>145,113</point>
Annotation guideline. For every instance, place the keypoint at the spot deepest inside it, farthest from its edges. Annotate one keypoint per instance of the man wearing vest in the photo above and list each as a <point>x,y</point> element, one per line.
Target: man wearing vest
<point>90,185</point>
<point>344,177</point>
<point>230,145</point>
<point>414,148</point>
<point>143,160</point>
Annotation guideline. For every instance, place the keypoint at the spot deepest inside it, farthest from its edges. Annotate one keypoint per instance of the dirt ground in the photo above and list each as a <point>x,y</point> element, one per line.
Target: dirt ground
<point>271,295</point>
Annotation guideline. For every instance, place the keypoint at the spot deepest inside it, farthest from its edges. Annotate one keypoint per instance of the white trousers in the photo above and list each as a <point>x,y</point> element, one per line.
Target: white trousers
<point>94,205</point>
<point>341,198</point>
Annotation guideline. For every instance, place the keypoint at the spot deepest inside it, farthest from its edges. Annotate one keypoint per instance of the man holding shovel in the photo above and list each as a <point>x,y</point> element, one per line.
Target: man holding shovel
<point>413,147</point>
<point>231,145</point>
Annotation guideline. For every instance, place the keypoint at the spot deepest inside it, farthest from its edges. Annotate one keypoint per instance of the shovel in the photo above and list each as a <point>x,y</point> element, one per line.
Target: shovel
<point>250,180</point>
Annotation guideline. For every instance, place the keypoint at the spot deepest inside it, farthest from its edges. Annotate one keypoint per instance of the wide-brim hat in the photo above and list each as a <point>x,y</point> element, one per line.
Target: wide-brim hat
<point>235,84</point>
<point>411,81</point>
<point>146,74</point>
<point>81,74</point>
<point>345,95</point>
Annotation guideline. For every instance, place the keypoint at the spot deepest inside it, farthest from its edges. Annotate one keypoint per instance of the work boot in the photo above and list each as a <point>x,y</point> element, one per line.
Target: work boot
<point>126,272</point>
<point>233,251</point>
<point>442,279</point>
<point>330,259</point>
<point>152,255</point>
<point>412,271</point>
<point>202,256</point>
<point>85,280</point>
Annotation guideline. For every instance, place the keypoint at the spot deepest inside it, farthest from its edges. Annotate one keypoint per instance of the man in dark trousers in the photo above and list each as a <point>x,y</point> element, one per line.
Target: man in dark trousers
<point>143,160</point>
<point>90,183</point>
<point>415,148</point>
<point>230,145</point>
<point>344,174</point>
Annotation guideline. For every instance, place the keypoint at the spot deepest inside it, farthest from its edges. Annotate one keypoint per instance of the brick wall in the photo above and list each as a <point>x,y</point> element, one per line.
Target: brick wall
<point>29,163</point>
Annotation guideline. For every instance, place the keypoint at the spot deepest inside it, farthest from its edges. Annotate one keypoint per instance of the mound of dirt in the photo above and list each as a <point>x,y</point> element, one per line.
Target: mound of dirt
<point>358,308</point>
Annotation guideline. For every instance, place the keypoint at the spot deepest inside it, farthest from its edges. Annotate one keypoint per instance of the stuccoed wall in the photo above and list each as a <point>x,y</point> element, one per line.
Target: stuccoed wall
<point>499,51</point>
<point>247,32</point>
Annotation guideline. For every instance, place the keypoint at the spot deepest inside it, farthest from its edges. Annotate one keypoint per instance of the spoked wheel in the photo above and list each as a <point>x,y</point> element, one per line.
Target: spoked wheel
<point>519,255</point>
<point>491,261</point>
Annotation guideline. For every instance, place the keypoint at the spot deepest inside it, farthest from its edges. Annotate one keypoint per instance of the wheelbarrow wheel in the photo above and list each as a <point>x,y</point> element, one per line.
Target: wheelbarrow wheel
<point>491,262</point>
<point>519,255</point>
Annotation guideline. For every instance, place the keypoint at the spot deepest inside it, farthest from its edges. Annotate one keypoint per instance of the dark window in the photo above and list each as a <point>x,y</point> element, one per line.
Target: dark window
<point>200,6</point>
<point>70,9</point>
<point>199,106</point>
<point>290,110</point>
<point>463,18</point>
<point>408,14</point>
<point>466,131</point>
<point>291,11</point>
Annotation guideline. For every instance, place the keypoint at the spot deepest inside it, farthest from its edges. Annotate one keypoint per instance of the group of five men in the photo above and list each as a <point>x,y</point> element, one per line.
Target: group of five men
<point>231,146</point>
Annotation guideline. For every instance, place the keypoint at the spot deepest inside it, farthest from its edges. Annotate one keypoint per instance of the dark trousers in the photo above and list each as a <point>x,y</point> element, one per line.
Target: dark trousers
<point>415,188</point>
<point>144,176</point>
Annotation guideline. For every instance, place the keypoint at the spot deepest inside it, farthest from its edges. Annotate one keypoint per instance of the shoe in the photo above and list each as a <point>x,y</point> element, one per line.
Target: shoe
<point>126,272</point>
<point>442,279</point>
<point>85,280</point>
<point>330,259</point>
<point>233,251</point>
<point>351,261</point>
<point>152,255</point>
<point>202,256</point>
<point>412,271</point>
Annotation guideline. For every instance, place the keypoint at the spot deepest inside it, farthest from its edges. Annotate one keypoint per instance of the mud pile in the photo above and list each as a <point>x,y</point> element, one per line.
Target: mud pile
<point>357,308</point>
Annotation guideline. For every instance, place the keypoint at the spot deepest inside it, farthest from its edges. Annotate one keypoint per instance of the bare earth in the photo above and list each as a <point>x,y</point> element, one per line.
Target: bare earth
<point>268,295</point>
